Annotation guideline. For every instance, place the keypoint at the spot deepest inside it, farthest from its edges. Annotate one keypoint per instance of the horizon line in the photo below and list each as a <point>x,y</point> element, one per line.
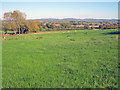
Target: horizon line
<point>72,18</point>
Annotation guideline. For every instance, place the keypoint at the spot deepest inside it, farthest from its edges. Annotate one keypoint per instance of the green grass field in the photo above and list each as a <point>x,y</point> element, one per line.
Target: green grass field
<point>81,59</point>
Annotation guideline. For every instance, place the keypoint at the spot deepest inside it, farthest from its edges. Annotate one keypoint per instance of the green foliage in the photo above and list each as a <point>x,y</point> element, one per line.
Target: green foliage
<point>52,26</point>
<point>65,24</point>
<point>101,27</point>
<point>81,59</point>
<point>86,26</point>
<point>48,25</point>
<point>41,28</point>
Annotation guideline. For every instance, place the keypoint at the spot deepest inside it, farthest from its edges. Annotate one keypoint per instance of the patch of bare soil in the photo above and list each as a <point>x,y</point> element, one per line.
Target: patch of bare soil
<point>117,37</point>
<point>39,37</point>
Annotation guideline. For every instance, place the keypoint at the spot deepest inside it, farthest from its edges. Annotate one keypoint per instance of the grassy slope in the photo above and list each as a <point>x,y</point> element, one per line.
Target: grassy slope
<point>75,59</point>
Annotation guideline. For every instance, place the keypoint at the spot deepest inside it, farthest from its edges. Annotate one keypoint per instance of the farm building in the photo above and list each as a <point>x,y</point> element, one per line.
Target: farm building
<point>56,25</point>
<point>77,25</point>
<point>96,27</point>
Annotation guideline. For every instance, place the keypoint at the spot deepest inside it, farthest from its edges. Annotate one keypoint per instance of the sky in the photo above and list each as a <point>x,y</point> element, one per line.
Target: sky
<point>38,10</point>
<point>60,0</point>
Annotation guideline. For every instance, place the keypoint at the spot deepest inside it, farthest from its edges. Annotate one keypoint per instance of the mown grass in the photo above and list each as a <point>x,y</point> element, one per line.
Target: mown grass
<point>81,59</point>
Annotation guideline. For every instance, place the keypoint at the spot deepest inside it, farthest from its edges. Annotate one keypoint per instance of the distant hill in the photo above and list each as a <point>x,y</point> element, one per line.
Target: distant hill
<point>73,19</point>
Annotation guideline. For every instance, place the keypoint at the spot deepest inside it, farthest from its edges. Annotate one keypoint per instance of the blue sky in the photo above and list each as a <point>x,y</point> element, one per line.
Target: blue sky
<point>60,0</point>
<point>37,10</point>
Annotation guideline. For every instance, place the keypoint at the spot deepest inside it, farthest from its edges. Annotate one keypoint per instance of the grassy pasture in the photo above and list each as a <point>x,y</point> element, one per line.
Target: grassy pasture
<point>81,59</point>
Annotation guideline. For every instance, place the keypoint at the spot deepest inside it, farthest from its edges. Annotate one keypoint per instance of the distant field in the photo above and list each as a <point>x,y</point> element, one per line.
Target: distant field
<point>81,59</point>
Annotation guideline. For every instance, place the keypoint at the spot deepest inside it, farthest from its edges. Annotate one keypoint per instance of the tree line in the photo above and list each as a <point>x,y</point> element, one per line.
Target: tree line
<point>16,21</point>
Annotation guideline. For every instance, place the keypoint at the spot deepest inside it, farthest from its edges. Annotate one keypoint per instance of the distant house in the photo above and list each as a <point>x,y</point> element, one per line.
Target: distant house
<point>77,25</point>
<point>72,25</point>
<point>44,24</point>
<point>96,27</point>
<point>90,26</point>
<point>56,25</point>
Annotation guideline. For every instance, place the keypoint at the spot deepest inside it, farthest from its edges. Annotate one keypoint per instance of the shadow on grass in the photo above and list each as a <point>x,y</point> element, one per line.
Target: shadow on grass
<point>116,33</point>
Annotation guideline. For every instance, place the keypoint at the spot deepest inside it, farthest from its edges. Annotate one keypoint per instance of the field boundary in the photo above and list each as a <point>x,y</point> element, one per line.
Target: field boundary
<point>6,35</point>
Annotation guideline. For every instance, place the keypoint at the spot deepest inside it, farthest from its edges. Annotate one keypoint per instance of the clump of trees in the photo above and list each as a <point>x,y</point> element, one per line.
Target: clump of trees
<point>15,21</point>
<point>65,25</point>
<point>34,26</point>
